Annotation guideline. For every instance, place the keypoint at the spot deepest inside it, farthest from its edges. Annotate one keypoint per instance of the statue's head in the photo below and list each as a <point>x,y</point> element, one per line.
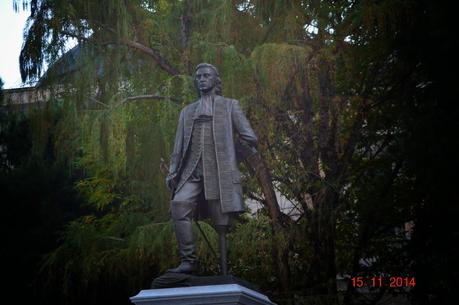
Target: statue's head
<point>207,78</point>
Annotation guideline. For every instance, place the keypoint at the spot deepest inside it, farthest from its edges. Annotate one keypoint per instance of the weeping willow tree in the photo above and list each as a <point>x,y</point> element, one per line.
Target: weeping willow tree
<point>310,75</point>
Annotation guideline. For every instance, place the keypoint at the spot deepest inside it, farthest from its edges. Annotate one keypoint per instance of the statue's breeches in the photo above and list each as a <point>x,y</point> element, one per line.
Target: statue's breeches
<point>190,192</point>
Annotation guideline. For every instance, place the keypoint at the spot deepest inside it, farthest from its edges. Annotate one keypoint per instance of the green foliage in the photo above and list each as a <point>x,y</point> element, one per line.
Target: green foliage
<point>110,249</point>
<point>38,198</point>
<point>275,65</point>
<point>250,247</point>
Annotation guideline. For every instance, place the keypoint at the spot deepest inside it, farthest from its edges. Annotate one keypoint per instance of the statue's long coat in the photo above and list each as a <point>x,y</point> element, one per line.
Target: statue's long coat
<point>228,120</point>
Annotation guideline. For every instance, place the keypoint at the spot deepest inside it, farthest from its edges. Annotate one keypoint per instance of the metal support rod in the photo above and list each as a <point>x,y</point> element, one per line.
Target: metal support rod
<point>222,248</point>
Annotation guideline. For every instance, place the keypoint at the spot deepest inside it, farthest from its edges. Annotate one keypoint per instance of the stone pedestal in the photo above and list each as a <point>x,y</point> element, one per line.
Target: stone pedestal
<point>226,294</point>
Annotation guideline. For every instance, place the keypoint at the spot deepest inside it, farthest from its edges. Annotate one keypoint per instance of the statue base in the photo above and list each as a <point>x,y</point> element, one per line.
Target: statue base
<point>228,294</point>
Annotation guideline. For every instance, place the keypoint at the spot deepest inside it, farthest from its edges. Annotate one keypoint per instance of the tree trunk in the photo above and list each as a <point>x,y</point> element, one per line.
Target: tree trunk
<point>322,222</point>
<point>278,219</point>
<point>322,218</point>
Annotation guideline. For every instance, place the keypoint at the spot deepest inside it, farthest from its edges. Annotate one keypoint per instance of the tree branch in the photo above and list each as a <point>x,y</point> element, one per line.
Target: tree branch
<point>98,102</point>
<point>134,98</point>
<point>161,61</point>
<point>146,97</point>
<point>259,167</point>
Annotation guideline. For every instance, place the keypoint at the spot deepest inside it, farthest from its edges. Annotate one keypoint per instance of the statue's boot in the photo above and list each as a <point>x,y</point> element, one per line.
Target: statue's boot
<point>182,214</point>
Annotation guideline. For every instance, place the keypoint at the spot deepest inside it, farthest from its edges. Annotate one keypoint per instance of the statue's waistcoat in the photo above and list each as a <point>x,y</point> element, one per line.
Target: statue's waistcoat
<point>200,158</point>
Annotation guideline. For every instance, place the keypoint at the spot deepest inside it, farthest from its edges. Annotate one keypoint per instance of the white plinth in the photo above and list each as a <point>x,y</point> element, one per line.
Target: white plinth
<point>228,294</point>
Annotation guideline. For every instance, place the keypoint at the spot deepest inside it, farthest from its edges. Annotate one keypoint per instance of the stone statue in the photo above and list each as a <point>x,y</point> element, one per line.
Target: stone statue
<point>212,135</point>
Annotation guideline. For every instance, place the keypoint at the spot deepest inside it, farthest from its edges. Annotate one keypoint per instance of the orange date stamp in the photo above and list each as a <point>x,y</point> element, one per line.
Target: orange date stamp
<point>380,281</point>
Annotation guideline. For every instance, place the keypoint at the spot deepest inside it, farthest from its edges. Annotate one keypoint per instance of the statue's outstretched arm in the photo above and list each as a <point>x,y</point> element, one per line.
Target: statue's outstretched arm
<point>242,126</point>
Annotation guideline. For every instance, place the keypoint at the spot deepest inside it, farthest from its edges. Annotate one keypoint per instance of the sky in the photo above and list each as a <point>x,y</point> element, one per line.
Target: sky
<point>11,29</point>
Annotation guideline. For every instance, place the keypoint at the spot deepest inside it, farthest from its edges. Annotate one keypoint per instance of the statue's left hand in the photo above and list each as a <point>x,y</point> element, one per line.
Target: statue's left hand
<point>171,182</point>
<point>243,150</point>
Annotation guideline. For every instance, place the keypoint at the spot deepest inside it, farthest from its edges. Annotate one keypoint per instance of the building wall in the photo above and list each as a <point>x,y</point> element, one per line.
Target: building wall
<point>22,99</point>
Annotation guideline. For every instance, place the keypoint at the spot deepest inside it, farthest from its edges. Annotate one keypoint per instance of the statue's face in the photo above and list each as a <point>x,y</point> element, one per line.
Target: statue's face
<point>205,79</point>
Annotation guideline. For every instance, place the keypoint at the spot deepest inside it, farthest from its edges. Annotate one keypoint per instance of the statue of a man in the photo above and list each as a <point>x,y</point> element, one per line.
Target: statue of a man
<point>212,135</point>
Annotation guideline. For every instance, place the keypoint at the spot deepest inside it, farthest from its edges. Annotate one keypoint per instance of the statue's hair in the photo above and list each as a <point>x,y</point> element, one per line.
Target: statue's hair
<point>218,81</point>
